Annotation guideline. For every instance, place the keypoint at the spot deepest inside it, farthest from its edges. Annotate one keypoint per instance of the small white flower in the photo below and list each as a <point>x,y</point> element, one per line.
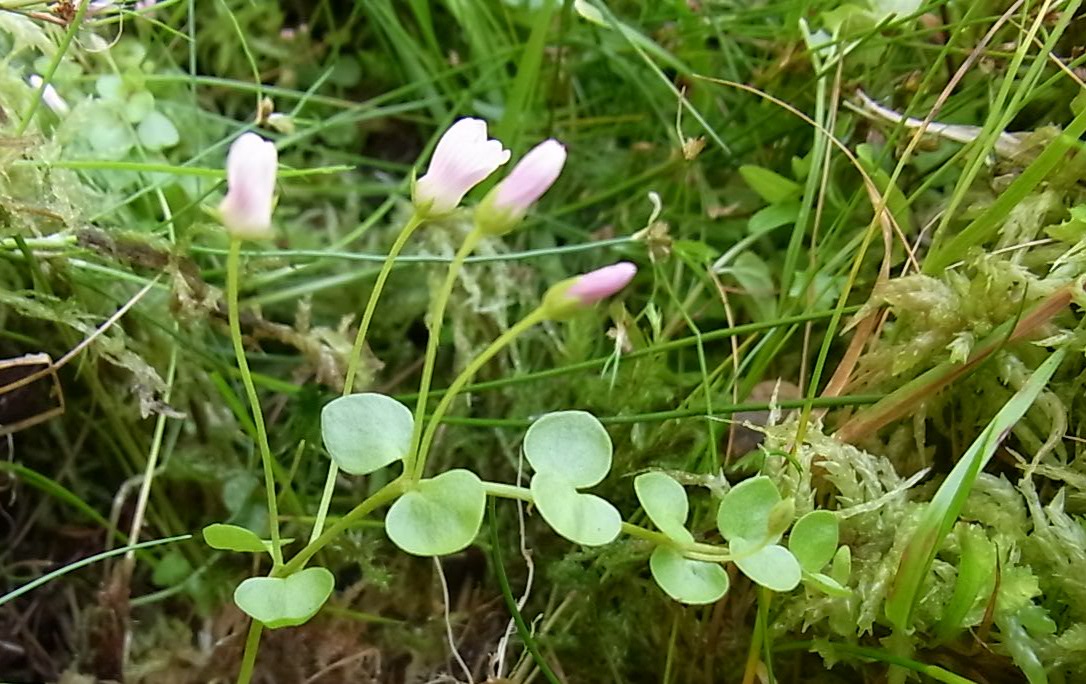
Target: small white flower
<point>251,166</point>
<point>49,96</point>
<point>462,159</point>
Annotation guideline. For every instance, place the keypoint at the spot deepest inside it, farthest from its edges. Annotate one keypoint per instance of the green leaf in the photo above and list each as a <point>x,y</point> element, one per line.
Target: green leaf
<point>572,444</point>
<point>841,568</point>
<point>139,106</point>
<point>943,510</point>
<point>896,202</point>
<point>156,132</point>
<point>664,500</point>
<point>233,538</point>
<point>285,601</point>
<point>110,87</point>
<point>744,511</point>
<point>773,216</point>
<point>685,580</point>
<point>826,584</point>
<point>976,577</point>
<point>770,185</point>
<point>582,518</point>
<point>814,540</point>
<point>108,134</point>
<point>172,570</point>
<point>439,516</point>
<point>774,567</point>
<point>366,432</point>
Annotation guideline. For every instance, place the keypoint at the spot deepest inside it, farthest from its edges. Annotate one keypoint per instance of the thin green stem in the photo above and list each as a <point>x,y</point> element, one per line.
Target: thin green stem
<point>379,498</point>
<point>232,269</point>
<point>437,315</point>
<point>367,316</point>
<point>507,491</point>
<point>252,645</point>
<point>465,376</point>
<point>695,550</point>
<point>356,355</point>
<point>58,56</point>
<point>326,501</point>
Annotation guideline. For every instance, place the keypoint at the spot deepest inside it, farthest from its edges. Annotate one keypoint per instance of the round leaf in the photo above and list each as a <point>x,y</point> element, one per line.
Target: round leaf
<point>138,106</point>
<point>664,500</point>
<point>744,511</point>
<point>814,540</point>
<point>366,432</point>
<point>285,601</point>
<point>774,567</point>
<point>572,444</point>
<point>233,538</point>
<point>582,518</point>
<point>439,516</point>
<point>156,132</point>
<point>685,580</point>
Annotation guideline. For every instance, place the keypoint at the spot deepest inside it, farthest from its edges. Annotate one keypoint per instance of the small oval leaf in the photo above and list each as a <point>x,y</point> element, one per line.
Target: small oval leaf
<point>841,568</point>
<point>573,444</point>
<point>285,601</point>
<point>745,510</point>
<point>582,518</point>
<point>157,132</point>
<point>774,567</point>
<point>664,501</point>
<point>814,540</point>
<point>685,580</point>
<point>439,516</point>
<point>233,538</point>
<point>366,432</point>
<point>770,185</point>
<point>825,584</point>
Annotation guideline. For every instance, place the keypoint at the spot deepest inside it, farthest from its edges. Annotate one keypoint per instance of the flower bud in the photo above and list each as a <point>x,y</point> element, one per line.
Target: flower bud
<point>49,96</point>
<point>504,207</point>
<point>462,159</point>
<point>574,294</point>
<point>250,178</point>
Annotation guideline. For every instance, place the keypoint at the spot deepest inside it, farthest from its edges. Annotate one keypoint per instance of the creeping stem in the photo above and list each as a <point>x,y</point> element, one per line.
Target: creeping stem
<point>232,267</point>
<point>694,550</point>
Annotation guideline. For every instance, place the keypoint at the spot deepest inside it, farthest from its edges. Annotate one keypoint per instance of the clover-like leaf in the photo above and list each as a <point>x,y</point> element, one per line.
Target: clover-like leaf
<point>664,501</point>
<point>573,444</point>
<point>745,511</point>
<point>439,516</point>
<point>157,132</point>
<point>686,580</point>
<point>233,538</point>
<point>814,540</point>
<point>582,518</point>
<point>366,432</point>
<point>285,601</point>
<point>825,584</point>
<point>773,566</point>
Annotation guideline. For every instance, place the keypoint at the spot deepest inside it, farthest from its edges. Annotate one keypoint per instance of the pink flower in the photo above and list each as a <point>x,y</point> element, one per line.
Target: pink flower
<point>505,206</point>
<point>250,177</point>
<point>462,159</point>
<point>581,292</point>
<point>600,284</point>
